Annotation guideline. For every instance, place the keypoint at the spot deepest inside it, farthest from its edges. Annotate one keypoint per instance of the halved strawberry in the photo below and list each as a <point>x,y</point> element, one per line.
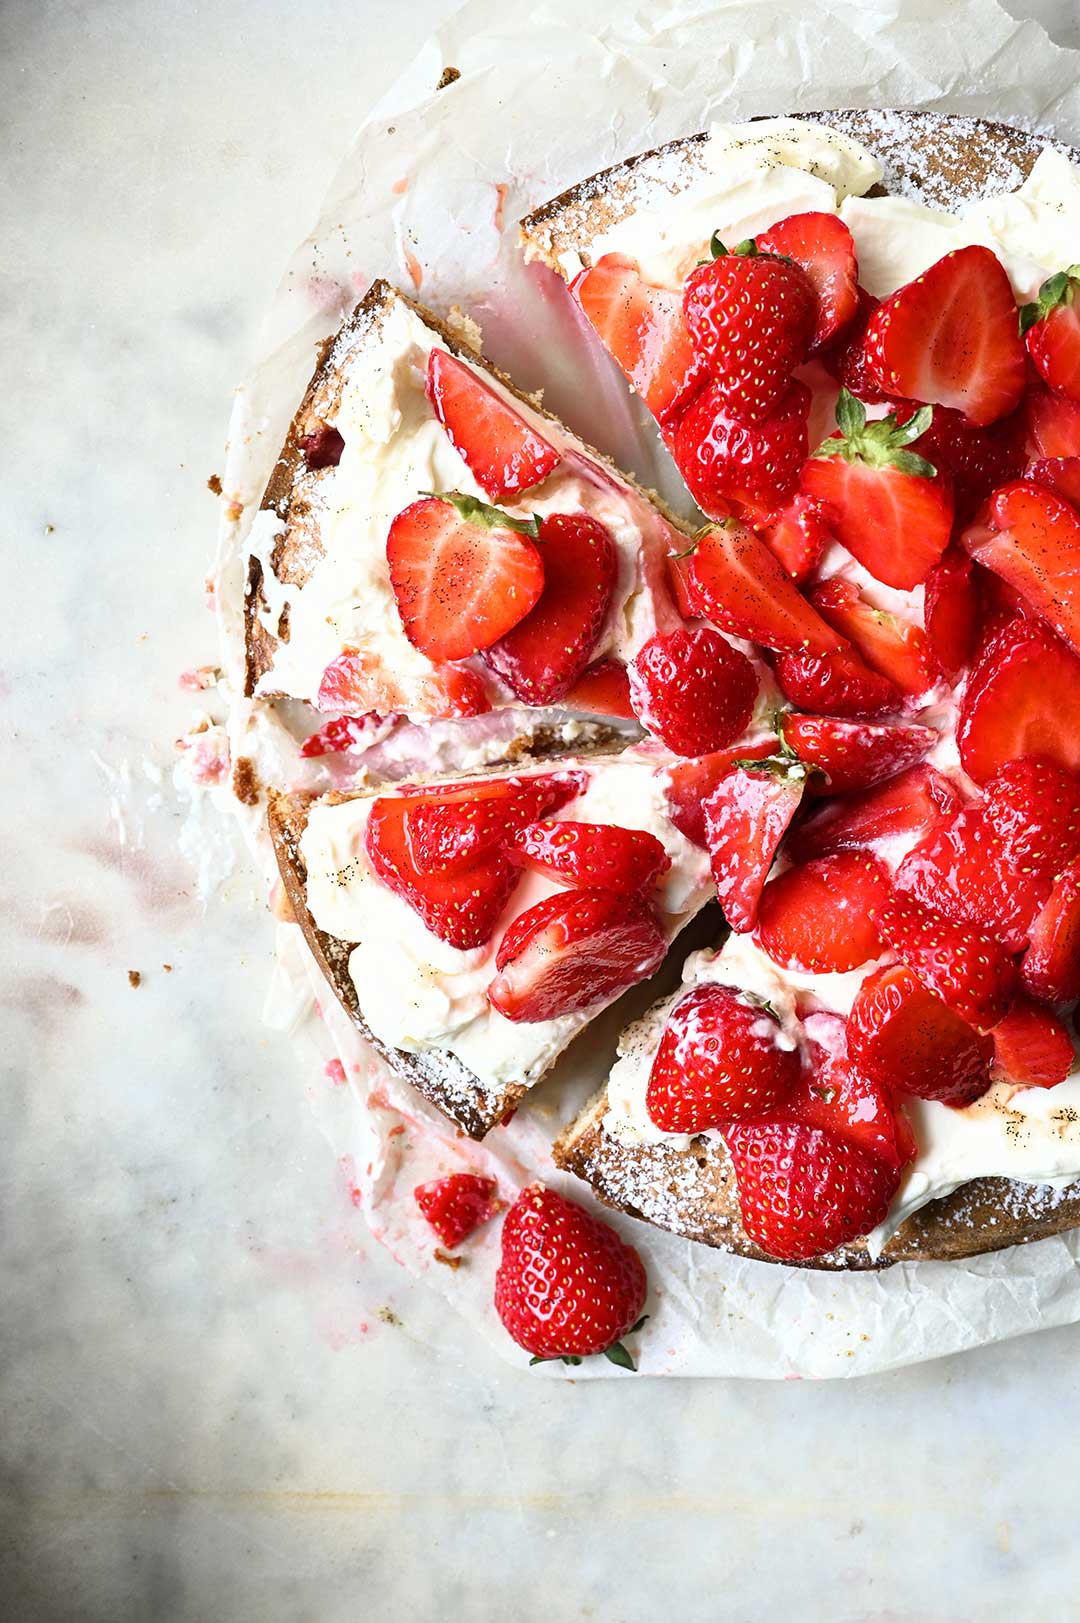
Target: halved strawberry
<point>572,950</point>
<point>462,573</point>
<point>1058,473</point>
<point>951,338</point>
<point>603,689</point>
<point>1050,969</point>
<point>737,582</point>
<point>912,804</point>
<point>1053,423</point>
<point>751,317</point>
<point>746,816</point>
<point>457,1205</point>
<point>1030,536</point>
<point>723,1057</point>
<point>1032,1047</point>
<point>688,784</point>
<point>894,647</point>
<point>975,460</point>
<point>600,856</point>
<point>836,1094</point>
<point>797,536</point>
<point>846,359</point>
<point>886,504</point>
<point>1022,698</point>
<point>964,967</point>
<point>1052,332</point>
<point>546,652</point>
<point>461,908</point>
<point>904,1037</point>
<point>504,454</point>
<point>643,330</point>
<point>821,915</point>
<point>804,1190</point>
<point>963,871</point>
<point>853,754</point>
<point>1033,806</point>
<point>450,827</point>
<point>358,680</point>
<point>837,684</point>
<point>692,689</point>
<point>725,460</point>
<point>824,249</point>
<point>952,611</point>
<point>336,736</point>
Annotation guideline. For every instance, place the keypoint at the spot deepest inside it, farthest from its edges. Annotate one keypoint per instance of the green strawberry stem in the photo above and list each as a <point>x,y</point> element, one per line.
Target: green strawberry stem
<point>878,444</point>
<point>474,511</point>
<point>1060,289</point>
<point>615,1354</point>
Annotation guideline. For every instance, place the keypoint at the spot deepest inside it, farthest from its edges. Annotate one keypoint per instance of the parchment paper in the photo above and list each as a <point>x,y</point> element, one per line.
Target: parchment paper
<point>428,196</point>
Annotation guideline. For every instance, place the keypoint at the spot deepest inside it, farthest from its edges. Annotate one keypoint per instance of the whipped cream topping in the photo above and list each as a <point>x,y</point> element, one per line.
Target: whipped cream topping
<point>417,993</point>
<point>396,449</point>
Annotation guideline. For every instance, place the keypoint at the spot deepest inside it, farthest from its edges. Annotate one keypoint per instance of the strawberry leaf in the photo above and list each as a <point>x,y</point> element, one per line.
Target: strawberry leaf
<point>617,1354</point>
<point>475,511</point>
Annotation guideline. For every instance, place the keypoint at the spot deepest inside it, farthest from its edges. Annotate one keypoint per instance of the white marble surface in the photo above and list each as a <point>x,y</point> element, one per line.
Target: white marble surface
<point>195,1425</point>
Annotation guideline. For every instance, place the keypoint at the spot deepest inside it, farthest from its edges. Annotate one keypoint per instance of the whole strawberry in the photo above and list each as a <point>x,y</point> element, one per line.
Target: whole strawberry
<point>1051,328</point>
<point>692,689</point>
<point>724,459</point>
<point>723,1057</point>
<point>567,1286</point>
<point>751,317</point>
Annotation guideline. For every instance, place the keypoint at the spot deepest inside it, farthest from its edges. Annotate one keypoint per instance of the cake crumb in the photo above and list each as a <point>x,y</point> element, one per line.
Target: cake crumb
<point>448,77</point>
<point>447,1260</point>
<point>214,484</point>
<point>134,977</point>
<point>388,1316</point>
<point>167,968</point>
<point>245,781</point>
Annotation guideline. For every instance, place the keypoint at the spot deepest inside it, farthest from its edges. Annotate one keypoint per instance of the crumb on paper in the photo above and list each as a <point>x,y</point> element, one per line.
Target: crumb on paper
<point>167,968</point>
<point>134,977</point>
<point>446,1259</point>
<point>50,529</point>
<point>214,484</point>
<point>233,510</point>
<point>448,77</point>
<point>388,1316</point>
<point>245,781</point>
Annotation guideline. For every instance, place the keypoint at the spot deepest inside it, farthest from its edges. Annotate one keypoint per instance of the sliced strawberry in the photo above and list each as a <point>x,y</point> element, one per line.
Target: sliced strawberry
<point>688,784</point>
<point>912,804</point>
<point>723,1057</point>
<point>837,684</point>
<point>323,448</point>
<point>600,856</point>
<point>643,330</point>
<point>746,816</point>
<point>952,612</point>
<point>804,1190</point>
<point>751,317</point>
<point>725,460</point>
<point>602,689</point>
<point>1031,538</point>
<point>974,460</point>
<point>692,689</point>
<point>902,1036</point>
<point>1052,332</point>
<point>1022,698</point>
<point>357,680</point>
<point>1033,806</point>
<point>824,249</point>
<point>737,582</point>
<point>886,504</point>
<point>964,967</point>
<point>797,536</point>
<point>895,648</point>
<point>963,871</point>
<point>572,950</point>
<point>951,338</point>
<point>504,454</point>
<point>853,754</point>
<point>846,1100</point>
<point>463,574</point>
<point>1050,970</point>
<point>846,359</point>
<point>457,1205</point>
<point>1060,474</point>
<point>1053,423</point>
<point>340,734</point>
<point>821,915</point>
<point>451,827</point>
<point>1032,1047</point>
<point>460,908</point>
<point>546,652</point>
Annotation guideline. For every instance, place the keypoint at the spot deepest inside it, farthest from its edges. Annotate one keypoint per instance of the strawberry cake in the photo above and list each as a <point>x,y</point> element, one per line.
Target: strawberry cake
<point>841,705</point>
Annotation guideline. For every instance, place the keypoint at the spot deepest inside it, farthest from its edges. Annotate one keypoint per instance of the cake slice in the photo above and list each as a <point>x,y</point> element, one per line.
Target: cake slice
<point>345,608</point>
<point>414,899</point>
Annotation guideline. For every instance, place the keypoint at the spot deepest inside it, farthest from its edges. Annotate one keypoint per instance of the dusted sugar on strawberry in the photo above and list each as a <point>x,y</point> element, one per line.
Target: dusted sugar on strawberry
<point>567,1286</point>
<point>723,1057</point>
<point>693,690</point>
<point>689,783</point>
<point>457,1205</point>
